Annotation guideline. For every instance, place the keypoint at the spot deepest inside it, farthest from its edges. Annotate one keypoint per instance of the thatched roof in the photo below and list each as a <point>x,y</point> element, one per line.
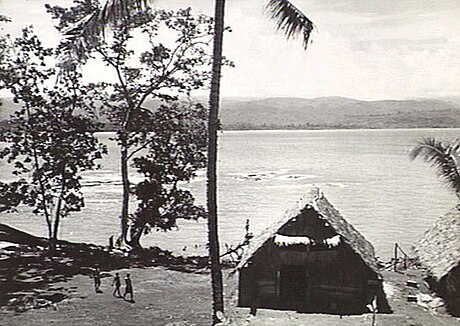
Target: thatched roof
<point>315,200</point>
<point>439,249</point>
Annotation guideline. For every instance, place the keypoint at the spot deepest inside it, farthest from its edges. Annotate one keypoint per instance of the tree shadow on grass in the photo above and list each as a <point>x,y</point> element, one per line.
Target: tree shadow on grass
<point>29,267</point>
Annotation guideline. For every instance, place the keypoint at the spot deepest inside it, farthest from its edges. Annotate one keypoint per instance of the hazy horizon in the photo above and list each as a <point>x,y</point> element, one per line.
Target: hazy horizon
<point>255,98</point>
<point>368,50</point>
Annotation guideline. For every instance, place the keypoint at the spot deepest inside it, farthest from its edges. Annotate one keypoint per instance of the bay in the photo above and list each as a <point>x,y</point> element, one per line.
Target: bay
<point>366,174</point>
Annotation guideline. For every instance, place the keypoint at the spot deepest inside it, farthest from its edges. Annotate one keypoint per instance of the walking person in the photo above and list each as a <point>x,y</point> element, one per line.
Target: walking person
<point>128,288</point>
<point>97,280</point>
<point>116,283</point>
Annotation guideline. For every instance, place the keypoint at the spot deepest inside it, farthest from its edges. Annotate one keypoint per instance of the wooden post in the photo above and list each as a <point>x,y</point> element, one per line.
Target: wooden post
<point>395,257</point>
<point>308,288</point>
<point>278,285</point>
<point>374,310</point>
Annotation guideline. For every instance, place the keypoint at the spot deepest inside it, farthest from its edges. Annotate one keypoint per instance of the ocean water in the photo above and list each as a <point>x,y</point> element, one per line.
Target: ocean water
<point>366,174</point>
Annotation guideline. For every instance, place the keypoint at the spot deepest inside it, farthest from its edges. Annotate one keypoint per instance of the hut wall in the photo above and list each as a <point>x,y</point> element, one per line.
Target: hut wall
<point>246,288</point>
<point>452,291</point>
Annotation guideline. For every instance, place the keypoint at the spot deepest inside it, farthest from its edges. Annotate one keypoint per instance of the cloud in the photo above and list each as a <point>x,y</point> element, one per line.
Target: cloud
<point>369,49</point>
<point>377,7</point>
<point>400,43</point>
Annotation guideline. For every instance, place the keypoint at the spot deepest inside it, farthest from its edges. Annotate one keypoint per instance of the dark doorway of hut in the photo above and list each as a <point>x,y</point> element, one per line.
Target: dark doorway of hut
<point>293,283</point>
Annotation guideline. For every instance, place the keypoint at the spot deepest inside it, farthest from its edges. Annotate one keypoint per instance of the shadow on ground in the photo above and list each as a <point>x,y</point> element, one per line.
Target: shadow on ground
<point>29,266</point>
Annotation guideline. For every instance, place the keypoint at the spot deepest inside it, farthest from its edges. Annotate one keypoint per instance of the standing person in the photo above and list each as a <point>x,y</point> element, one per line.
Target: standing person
<point>128,288</point>
<point>116,283</point>
<point>97,280</point>
<point>255,301</point>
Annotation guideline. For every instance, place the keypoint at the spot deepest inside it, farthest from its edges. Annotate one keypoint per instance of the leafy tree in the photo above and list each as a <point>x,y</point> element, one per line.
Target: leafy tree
<point>444,157</point>
<point>3,43</point>
<point>4,19</point>
<point>289,19</point>
<point>176,148</point>
<point>10,195</point>
<point>169,66</point>
<point>51,138</point>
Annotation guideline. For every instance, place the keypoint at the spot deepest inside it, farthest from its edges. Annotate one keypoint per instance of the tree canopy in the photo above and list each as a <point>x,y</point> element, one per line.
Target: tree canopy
<point>51,137</point>
<point>174,60</point>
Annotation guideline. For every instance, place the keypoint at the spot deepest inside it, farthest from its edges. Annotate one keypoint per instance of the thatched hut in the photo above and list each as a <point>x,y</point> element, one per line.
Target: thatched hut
<point>311,260</point>
<point>439,251</point>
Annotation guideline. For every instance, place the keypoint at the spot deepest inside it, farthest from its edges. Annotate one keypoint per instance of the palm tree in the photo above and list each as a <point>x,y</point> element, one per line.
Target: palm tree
<point>443,157</point>
<point>211,190</point>
<point>292,22</point>
<point>289,19</point>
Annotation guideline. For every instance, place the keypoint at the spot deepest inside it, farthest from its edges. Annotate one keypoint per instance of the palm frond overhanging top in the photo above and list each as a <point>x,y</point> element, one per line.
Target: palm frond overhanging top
<point>114,11</point>
<point>85,32</point>
<point>290,20</point>
<point>443,157</point>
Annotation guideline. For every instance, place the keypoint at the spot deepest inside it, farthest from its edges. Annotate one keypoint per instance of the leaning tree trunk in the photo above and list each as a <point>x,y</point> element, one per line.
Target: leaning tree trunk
<point>137,228</point>
<point>136,232</point>
<point>213,125</point>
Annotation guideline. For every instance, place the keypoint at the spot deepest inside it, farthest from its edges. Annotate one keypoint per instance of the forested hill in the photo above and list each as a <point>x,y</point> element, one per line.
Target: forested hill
<point>339,113</point>
<point>326,113</point>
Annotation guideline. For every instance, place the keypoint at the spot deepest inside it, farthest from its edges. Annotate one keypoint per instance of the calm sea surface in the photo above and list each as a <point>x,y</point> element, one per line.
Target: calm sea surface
<point>366,174</point>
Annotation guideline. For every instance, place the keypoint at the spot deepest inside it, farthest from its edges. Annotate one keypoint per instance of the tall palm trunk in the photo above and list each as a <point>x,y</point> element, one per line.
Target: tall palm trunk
<point>213,126</point>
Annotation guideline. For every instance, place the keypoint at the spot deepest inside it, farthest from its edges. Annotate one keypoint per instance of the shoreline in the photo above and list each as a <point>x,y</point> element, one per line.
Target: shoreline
<point>105,132</point>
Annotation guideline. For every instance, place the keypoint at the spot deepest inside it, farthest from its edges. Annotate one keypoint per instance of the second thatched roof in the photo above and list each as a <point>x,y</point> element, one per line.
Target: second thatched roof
<point>316,200</point>
<point>439,249</point>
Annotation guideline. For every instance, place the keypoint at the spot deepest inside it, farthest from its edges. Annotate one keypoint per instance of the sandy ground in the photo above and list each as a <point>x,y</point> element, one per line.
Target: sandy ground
<point>405,313</point>
<point>165,297</point>
<point>162,297</point>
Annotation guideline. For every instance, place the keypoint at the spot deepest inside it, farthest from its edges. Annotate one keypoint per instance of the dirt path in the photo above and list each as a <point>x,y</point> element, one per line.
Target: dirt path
<point>165,297</point>
<point>404,313</point>
<point>162,297</point>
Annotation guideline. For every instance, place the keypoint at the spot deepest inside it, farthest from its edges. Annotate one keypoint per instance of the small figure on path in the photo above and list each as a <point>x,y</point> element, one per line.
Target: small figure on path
<point>255,302</point>
<point>116,283</point>
<point>128,288</point>
<point>97,280</point>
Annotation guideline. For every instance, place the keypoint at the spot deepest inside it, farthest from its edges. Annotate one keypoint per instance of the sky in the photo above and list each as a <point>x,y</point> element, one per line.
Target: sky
<point>363,49</point>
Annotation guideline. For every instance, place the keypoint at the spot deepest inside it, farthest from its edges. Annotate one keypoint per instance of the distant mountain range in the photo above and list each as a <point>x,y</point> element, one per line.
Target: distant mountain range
<point>339,113</point>
<point>326,113</point>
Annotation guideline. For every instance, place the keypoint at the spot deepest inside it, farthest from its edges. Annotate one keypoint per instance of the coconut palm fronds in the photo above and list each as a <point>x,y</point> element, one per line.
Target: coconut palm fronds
<point>116,11</point>
<point>112,13</point>
<point>79,37</point>
<point>443,157</point>
<point>290,20</point>
<point>86,32</point>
